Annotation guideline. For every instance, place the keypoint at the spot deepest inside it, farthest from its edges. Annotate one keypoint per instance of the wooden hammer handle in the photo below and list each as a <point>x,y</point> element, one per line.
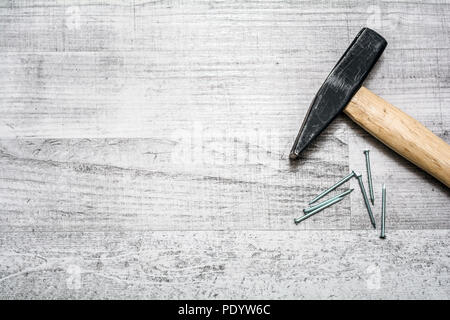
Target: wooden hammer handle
<point>401,133</point>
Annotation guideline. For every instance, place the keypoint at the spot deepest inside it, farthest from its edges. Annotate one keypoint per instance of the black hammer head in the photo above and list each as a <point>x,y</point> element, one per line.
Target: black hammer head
<point>341,84</point>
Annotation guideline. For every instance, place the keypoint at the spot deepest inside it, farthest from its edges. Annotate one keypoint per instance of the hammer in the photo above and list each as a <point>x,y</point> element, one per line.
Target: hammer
<point>342,90</point>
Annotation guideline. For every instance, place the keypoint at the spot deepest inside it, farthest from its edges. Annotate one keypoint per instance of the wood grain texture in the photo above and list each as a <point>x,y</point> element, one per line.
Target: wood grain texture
<point>152,94</point>
<point>227,264</point>
<point>140,184</point>
<point>402,133</point>
<point>214,26</point>
<point>144,151</point>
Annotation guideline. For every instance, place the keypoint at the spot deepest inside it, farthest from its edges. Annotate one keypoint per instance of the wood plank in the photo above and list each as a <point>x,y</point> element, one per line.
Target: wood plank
<point>147,184</point>
<point>96,95</point>
<point>60,25</point>
<point>241,265</point>
<point>151,184</point>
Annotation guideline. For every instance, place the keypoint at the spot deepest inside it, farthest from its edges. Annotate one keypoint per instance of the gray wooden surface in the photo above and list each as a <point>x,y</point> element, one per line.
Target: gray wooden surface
<point>144,151</point>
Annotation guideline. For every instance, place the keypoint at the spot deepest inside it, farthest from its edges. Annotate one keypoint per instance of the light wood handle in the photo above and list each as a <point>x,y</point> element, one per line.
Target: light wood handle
<point>401,133</point>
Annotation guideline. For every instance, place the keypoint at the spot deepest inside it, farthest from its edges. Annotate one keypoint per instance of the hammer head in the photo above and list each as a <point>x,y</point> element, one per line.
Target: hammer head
<point>341,84</point>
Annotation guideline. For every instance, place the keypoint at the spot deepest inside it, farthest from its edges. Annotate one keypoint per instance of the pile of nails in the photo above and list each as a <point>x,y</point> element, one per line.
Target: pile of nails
<point>315,208</point>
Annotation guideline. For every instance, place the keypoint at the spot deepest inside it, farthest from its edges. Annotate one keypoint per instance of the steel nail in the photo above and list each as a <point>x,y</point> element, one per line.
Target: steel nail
<point>306,216</point>
<point>343,194</point>
<point>383,212</point>
<point>366,201</point>
<point>369,176</point>
<point>337,184</point>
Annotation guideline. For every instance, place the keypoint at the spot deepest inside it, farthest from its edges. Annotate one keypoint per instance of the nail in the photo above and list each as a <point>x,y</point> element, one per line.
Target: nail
<point>383,212</point>
<point>337,184</point>
<point>343,194</point>
<point>369,176</point>
<point>366,201</point>
<point>306,216</point>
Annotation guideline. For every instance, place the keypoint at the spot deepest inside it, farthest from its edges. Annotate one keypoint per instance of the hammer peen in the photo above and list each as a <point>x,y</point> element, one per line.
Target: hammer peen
<point>343,91</point>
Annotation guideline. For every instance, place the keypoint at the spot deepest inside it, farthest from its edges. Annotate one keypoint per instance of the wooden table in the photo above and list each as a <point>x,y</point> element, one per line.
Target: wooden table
<point>144,151</point>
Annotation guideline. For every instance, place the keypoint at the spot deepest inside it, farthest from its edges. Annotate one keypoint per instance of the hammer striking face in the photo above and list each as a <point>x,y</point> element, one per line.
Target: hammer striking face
<point>343,91</point>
